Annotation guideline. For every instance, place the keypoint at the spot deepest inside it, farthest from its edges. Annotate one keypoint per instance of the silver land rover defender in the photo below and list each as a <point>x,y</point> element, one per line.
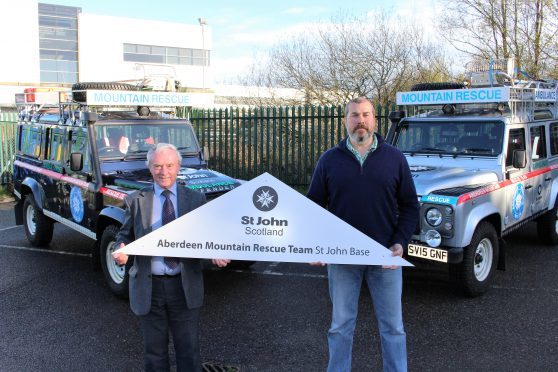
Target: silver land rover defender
<point>484,158</point>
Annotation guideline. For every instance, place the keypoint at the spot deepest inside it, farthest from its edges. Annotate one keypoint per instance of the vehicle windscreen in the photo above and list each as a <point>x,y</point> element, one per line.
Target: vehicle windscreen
<point>481,138</point>
<point>131,140</point>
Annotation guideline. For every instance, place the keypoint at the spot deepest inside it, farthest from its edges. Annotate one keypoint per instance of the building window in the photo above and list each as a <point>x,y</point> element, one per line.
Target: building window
<point>165,55</point>
<point>58,43</point>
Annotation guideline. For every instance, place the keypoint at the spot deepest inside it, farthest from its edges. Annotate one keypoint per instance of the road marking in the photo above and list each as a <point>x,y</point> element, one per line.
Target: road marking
<point>300,275</point>
<point>275,273</point>
<point>525,288</point>
<point>270,267</point>
<point>11,227</point>
<point>44,250</point>
<point>269,271</point>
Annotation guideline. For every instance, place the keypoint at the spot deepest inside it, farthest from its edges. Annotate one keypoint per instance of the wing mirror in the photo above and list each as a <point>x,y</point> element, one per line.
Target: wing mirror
<point>519,159</point>
<point>76,161</point>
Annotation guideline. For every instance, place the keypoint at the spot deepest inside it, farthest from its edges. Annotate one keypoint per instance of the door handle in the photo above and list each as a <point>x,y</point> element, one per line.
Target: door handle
<point>528,187</point>
<point>548,179</point>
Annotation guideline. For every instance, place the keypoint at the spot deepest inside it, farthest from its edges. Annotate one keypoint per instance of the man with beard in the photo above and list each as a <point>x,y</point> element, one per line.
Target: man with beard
<point>367,183</point>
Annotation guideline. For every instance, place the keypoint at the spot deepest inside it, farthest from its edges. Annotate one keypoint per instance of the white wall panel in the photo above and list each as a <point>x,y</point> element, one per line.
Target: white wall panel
<point>19,40</point>
<point>101,53</point>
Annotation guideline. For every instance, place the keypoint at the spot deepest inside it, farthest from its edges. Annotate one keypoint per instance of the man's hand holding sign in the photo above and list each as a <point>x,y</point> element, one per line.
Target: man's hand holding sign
<point>122,258</point>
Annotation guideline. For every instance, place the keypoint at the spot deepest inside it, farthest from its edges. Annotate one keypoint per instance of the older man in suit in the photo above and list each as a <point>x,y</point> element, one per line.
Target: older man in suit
<point>165,292</point>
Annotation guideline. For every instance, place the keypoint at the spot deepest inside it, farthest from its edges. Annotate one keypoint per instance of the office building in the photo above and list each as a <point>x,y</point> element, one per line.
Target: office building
<point>54,45</point>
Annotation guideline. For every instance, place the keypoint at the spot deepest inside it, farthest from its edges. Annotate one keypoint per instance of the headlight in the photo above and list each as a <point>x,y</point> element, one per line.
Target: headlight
<point>434,217</point>
<point>433,238</point>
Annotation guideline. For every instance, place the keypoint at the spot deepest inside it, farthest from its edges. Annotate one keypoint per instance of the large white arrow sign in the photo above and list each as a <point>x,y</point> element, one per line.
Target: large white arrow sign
<point>264,220</point>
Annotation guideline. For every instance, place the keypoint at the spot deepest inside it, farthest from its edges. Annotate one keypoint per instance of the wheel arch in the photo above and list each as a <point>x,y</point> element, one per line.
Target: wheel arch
<point>490,214</point>
<point>31,186</point>
<point>28,186</point>
<point>109,216</point>
<point>553,193</point>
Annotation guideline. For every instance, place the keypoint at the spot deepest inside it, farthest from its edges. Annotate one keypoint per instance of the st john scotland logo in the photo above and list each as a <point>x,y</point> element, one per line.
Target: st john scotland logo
<point>265,198</point>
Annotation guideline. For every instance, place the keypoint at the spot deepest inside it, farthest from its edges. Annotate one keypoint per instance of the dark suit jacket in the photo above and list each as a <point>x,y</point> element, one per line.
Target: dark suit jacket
<point>137,223</point>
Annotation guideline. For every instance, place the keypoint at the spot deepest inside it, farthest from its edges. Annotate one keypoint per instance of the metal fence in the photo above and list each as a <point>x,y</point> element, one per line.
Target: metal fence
<point>245,142</point>
<point>283,141</point>
<point>8,125</point>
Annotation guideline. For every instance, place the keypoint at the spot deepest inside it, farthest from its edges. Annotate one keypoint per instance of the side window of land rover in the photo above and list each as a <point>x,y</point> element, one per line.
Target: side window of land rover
<point>56,151</point>
<point>31,141</point>
<point>538,142</point>
<point>554,139</point>
<point>80,144</point>
<point>516,141</point>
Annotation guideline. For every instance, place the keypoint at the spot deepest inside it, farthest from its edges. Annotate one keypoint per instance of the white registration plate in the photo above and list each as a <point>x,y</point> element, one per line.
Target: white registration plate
<point>428,253</point>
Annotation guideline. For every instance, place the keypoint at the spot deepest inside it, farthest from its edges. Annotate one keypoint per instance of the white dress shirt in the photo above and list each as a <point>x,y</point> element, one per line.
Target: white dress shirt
<point>158,266</point>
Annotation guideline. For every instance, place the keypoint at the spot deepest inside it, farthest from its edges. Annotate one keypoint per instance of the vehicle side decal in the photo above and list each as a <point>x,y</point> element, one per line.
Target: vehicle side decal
<point>113,193</point>
<point>52,174</point>
<point>71,180</point>
<point>439,199</point>
<point>490,188</point>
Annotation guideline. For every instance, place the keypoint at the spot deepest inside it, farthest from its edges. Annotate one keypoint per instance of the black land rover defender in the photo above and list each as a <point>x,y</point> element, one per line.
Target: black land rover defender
<point>77,160</point>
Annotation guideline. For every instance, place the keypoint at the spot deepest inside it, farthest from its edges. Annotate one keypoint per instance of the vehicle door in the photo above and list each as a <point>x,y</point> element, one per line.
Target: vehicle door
<point>540,171</point>
<point>79,200</point>
<point>56,150</point>
<point>31,151</point>
<point>518,185</point>
<point>553,155</point>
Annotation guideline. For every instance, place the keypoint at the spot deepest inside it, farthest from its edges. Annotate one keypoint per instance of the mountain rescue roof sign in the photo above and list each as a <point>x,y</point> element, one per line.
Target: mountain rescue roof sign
<point>476,95</point>
<point>146,98</point>
<point>438,97</point>
<point>264,220</point>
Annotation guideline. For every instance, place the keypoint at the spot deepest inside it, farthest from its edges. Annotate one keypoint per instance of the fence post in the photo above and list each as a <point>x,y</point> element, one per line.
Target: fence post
<point>8,130</point>
<point>237,143</point>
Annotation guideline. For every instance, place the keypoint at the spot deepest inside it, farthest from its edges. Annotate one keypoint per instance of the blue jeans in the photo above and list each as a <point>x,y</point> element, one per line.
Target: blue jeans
<point>385,287</point>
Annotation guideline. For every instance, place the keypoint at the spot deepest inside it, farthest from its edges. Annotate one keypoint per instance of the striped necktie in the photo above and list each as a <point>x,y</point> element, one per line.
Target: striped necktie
<point>168,216</point>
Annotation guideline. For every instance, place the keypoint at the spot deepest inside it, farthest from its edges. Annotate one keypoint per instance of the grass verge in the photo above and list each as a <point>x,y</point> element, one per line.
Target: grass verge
<point>5,193</point>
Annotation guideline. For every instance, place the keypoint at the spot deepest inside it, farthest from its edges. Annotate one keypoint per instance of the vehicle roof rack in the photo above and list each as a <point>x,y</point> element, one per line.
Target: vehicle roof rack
<point>67,103</point>
<point>523,99</point>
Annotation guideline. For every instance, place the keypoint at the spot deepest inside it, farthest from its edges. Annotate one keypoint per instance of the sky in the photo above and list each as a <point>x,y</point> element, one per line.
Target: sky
<point>244,30</point>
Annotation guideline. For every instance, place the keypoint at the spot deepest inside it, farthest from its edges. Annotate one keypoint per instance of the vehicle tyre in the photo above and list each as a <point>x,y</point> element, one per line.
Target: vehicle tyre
<point>38,227</point>
<point>437,86</point>
<point>240,265</point>
<point>547,226</point>
<point>480,258</point>
<point>81,96</point>
<point>115,275</point>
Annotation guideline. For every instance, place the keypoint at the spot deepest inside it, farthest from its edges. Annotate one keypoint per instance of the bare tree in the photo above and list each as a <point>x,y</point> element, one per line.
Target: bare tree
<point>496,29</point>
<point>351,57</point>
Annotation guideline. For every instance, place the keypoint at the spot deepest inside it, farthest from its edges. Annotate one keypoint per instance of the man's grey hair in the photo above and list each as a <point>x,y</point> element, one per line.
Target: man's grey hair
<point>360,99</point>
<point>162,146</point>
